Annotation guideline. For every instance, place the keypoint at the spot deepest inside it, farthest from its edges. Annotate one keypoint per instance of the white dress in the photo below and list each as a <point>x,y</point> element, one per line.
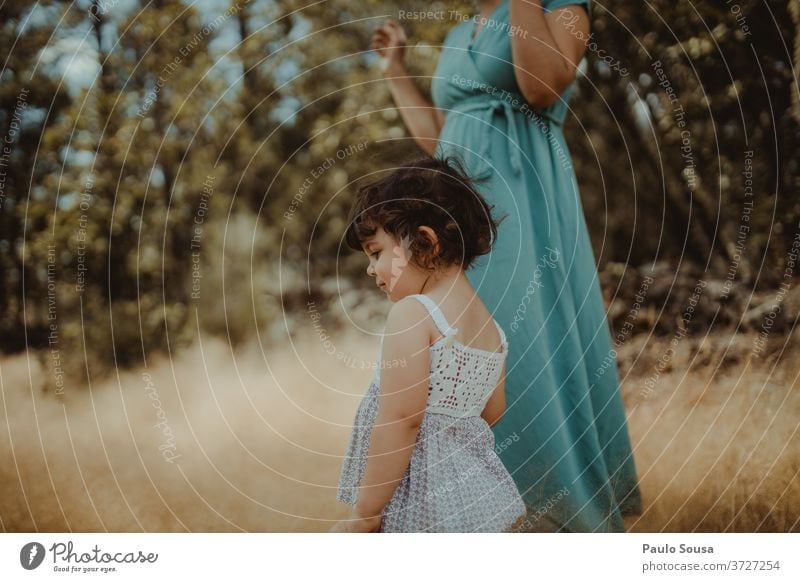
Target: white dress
<point>455,482</point>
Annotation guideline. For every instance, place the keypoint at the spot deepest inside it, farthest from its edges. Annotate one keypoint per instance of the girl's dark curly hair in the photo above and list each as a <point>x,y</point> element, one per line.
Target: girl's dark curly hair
<point>432,192</point>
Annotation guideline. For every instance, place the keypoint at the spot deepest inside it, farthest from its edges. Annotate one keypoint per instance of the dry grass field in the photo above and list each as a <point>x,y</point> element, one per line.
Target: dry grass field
<point>250,441</point>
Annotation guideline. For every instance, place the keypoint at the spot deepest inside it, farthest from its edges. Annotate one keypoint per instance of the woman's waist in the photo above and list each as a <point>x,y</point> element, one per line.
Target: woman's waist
<point>500,100</point>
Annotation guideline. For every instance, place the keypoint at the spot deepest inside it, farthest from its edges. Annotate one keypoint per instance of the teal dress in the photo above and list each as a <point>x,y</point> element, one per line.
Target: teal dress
<point>564,436</point>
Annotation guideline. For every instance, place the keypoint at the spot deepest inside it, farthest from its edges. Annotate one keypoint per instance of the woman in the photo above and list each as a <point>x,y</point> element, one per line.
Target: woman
<point>500,95</point>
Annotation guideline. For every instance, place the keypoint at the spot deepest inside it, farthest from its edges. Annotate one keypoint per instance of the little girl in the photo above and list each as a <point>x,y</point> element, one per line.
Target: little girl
<point>421,455</point>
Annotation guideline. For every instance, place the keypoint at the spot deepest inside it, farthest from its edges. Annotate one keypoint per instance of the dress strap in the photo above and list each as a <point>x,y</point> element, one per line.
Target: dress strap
<point>436,313</point>
<point>502,335</point>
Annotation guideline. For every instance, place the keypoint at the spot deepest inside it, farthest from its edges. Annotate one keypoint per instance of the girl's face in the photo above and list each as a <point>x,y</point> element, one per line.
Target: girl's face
<point>390,264</point>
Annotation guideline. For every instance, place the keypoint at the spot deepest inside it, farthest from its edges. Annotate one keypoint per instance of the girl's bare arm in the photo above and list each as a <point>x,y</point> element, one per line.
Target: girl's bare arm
<point>401,405</point>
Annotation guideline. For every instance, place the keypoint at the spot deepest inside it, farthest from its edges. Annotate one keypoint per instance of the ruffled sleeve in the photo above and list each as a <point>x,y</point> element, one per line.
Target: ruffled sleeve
<point>549,5</point>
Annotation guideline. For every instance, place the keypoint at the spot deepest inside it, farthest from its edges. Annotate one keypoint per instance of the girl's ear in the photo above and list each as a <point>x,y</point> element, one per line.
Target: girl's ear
<point>430,234</point>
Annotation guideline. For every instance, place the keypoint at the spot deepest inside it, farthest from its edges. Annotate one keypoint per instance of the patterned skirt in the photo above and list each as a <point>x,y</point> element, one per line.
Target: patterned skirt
<point>455,482</point>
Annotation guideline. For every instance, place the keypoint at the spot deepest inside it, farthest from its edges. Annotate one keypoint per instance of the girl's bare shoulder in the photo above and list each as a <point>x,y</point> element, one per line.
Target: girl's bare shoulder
<point>410,316</point>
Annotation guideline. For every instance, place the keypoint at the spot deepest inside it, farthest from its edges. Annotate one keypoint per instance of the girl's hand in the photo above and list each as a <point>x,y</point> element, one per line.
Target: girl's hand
<point>357,524</point>
<point>390,43</point>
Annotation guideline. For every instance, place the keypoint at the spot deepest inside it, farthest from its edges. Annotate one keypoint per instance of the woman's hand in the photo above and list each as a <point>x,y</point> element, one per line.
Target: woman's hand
<point>355,523</point>
<point>390,43</point>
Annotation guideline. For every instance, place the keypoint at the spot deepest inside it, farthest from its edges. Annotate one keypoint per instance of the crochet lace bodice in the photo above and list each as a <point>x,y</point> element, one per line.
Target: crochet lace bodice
<point>462,378</point>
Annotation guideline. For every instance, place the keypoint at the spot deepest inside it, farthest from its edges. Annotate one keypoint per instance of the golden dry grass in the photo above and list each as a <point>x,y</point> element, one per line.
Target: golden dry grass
<point>717,441</point>
<point>260,438</point>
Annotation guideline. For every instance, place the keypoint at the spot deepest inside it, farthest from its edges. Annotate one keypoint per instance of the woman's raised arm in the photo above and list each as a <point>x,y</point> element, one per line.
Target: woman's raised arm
<point>423,120</point>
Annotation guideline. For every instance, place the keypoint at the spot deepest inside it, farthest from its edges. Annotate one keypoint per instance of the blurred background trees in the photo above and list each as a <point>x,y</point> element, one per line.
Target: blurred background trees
<point>187,166</point>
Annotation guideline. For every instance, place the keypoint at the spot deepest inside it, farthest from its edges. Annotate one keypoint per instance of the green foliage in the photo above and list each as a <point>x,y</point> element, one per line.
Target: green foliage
<point>201,180</point>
